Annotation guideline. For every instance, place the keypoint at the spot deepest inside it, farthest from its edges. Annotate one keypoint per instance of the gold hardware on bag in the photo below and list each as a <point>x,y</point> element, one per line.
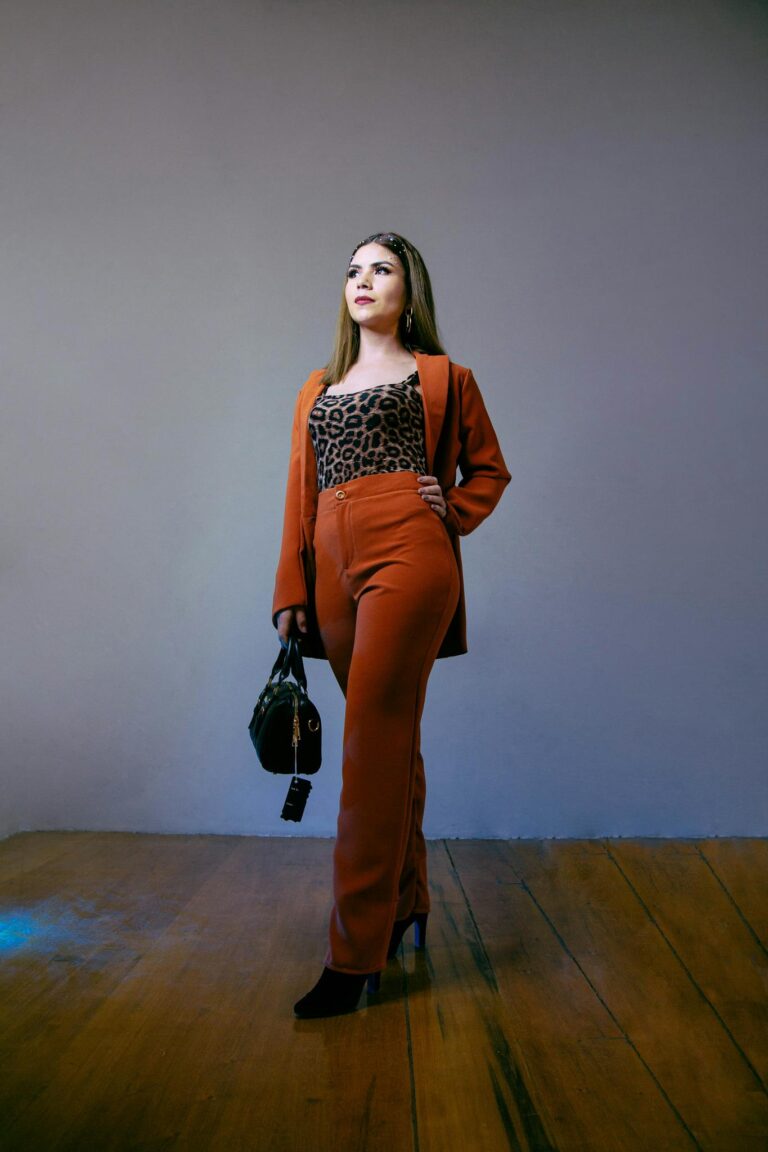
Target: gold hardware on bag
<point>296,730</point>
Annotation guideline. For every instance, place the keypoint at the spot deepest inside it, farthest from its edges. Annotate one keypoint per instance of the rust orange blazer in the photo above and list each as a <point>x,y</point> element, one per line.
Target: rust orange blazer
<point>459,435</point>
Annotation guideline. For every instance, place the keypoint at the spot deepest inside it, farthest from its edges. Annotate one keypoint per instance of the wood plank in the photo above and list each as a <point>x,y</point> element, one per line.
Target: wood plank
<point>579,996</point>
<point>470,1091</point>
<point>714,945</point>
<point>741,866</point>
<point>590,1089</point>
<point>642,983</point>
<point>91,914</point>
<point>85,914</point>
<point>197,1045</point>
<point>27,850</point>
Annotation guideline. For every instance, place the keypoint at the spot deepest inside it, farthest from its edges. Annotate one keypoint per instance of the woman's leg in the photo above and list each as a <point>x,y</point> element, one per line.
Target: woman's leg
<point>385,563</point>
<point>413,887</point>
<point>413,893</point>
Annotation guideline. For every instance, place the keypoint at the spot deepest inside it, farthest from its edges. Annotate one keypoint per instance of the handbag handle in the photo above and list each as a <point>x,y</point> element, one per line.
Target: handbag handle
<point>289,661</point>
<point>297,664</point>
<point>278,665</point>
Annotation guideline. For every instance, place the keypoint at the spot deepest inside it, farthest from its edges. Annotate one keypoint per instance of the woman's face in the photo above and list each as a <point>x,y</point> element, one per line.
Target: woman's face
<point>375,291</point>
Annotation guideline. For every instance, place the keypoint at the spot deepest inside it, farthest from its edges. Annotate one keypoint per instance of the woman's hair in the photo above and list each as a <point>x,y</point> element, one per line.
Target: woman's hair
<point>418,296</point>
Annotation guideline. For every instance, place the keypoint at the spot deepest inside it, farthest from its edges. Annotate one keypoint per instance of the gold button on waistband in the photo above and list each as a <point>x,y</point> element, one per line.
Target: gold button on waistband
<point>341,494</point>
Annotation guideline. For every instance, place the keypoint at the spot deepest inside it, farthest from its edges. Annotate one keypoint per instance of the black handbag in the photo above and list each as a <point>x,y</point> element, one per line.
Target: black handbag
<point>286,729</point>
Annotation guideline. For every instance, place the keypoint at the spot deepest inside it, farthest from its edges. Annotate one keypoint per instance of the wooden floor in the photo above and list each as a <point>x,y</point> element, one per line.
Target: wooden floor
<point>592,995</point>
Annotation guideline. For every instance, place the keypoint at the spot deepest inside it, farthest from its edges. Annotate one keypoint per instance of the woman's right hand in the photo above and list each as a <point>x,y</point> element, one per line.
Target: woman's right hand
<point>286,619</point>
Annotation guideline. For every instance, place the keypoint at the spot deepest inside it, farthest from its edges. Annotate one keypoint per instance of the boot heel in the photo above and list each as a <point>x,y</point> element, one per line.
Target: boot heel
<point>419,919</point>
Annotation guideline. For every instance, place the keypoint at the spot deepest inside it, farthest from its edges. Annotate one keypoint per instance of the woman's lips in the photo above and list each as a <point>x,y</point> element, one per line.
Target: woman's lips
<point>363,300</point>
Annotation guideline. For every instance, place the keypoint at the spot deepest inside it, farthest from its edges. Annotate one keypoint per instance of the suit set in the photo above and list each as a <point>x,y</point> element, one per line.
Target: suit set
<point>380,575</point>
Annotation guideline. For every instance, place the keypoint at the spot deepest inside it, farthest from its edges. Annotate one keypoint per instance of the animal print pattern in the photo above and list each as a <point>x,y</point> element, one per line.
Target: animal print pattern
<point>364,433</point>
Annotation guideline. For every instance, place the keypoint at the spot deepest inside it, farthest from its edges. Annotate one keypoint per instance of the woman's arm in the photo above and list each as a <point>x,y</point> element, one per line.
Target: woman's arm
<point>290,586</point>
<point>484,474</point>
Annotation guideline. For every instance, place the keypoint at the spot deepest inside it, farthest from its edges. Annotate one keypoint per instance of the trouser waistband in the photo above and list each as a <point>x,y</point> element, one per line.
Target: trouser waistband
<point>363,487</point>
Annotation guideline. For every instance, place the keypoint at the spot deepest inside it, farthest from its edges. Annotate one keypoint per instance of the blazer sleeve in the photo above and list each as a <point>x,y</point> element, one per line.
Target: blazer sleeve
<point>290,580</point>
<point>484,474</point>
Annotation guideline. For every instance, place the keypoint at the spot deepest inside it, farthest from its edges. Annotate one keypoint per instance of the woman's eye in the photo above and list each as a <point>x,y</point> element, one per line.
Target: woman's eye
<point>352,272</point>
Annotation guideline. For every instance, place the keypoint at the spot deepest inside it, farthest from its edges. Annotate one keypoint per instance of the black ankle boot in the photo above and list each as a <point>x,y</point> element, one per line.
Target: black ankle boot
<point>334,994</point>
<point>401,926</point>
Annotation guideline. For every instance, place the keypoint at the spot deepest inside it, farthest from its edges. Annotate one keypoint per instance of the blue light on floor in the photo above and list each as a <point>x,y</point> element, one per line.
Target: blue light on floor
<point>16,930</point>
<point>48,926</point>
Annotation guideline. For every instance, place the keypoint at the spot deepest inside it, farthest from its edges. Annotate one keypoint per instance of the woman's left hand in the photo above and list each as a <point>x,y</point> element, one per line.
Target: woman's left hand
<point>431,491</point>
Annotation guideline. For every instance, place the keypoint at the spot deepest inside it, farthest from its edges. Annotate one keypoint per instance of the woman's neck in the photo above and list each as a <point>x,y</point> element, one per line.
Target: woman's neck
<point>380,348</point>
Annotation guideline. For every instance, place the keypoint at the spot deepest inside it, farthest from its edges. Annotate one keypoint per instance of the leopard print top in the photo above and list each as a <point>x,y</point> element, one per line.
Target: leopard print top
<point>375,430</point>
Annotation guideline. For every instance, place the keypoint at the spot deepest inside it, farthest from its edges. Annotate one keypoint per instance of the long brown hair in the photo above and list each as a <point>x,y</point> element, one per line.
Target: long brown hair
<point>423,335</point>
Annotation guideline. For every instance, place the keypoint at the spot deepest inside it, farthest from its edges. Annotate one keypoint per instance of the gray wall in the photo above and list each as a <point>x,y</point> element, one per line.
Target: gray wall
<point>182,184</point>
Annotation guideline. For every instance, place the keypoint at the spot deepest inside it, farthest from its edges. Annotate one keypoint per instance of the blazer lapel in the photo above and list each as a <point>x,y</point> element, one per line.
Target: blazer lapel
<point>433,377</point>
<point>312,390</point>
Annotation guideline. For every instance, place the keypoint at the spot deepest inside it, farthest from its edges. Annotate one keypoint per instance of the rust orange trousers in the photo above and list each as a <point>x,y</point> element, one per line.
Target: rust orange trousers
<point>386,589</point>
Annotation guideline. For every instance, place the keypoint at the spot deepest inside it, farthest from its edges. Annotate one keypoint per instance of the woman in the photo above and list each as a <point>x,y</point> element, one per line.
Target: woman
<point>370,578</point>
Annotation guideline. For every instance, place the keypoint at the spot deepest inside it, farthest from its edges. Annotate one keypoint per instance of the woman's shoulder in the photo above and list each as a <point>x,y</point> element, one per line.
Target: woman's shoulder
<point>315,375</point>
<point>312,381</point>
<point>454,367</point>
<point>457,373</point>
<point>458,369</point>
